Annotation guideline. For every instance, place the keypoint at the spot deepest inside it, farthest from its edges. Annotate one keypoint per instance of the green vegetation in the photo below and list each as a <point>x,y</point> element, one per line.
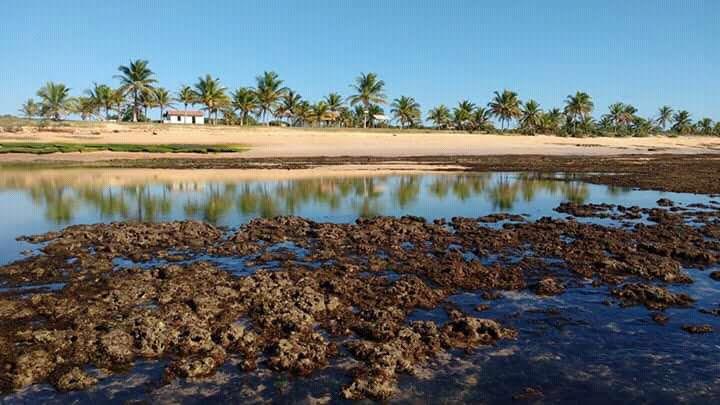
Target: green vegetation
<point>45,148</point>
<point>270,102</point>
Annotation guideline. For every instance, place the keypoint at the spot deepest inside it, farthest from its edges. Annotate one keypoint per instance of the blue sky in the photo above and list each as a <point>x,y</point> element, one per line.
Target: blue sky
<point>644,52</point>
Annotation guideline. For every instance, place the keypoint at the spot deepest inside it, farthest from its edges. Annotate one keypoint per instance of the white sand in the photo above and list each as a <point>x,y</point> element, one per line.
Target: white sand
<point>297,142</point>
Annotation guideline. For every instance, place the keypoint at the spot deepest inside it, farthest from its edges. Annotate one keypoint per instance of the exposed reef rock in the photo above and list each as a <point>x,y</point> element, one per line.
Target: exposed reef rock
<point>308,293</point>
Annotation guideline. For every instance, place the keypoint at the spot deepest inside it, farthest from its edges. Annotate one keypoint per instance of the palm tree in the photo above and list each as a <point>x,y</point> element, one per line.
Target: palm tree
<point>186,96</point>
<point>551,121</point>
<point>462,114</point>
<point>480,119</point>
<point>587,125</point>
<point>303,113</point>
<point>531,118</point>
<point>334,102</point>
<point>335,105</point>
<point>86,107</point>
<point>664,116</point>
<point>369,90</point>
<point>705,126</point>
<point>440,116</point>
<point>244,100</point>
<point>716,130</point>
<point>320,112</point>
<point>578,107</point>
<point>101,94</point>
<point>288,104</point>
<point>621,116</point>
<point>147,101</point>
<point>30,108</point>
<point>268,91</point>
<point>614,114</point>
<point>374,111</point>
<point>406,110</point>
<point>627,115</point>
<point>117,99</point>
<point>136,79</point>
<point>505,106</point>
<point>682,123</point>
<point>346,118</point>
<point>55,100</point>
<point>162,99</point>
<point>641,126</point>
<point>209,92</point>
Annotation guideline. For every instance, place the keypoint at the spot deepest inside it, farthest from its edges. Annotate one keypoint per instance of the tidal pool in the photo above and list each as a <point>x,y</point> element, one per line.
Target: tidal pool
<point>571,346</point>
<point>37,201</point>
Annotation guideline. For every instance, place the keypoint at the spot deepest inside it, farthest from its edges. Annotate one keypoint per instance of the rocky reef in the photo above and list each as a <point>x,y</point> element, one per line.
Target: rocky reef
<point>301,295</point>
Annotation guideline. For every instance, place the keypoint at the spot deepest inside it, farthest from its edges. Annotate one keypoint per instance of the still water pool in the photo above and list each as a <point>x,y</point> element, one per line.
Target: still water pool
<point>38,201</point>
<point>572,347</point>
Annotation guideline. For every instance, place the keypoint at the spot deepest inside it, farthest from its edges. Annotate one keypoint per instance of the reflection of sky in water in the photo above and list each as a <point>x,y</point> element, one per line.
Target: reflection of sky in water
<point>570,346</point>
<point>48,204</point>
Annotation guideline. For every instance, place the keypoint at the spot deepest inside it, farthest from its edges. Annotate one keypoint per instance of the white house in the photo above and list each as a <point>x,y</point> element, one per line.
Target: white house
<point>183,117</point>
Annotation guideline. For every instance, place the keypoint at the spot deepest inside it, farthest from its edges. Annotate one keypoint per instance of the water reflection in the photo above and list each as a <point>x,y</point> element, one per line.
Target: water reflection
<point>113,196</point>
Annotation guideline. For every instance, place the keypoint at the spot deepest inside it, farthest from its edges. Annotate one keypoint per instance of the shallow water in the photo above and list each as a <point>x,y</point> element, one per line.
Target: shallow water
<point>33,202</point>
<point>571,346</point>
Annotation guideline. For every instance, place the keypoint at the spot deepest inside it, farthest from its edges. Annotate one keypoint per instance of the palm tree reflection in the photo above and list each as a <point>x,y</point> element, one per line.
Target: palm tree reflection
<point>215,201</point>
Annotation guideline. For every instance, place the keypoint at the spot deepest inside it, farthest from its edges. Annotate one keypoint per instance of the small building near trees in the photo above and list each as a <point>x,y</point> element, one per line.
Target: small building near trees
<point>184,117</point>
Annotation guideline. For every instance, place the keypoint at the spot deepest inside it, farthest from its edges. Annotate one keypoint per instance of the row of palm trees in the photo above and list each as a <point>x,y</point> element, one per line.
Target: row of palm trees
<point>574,119</point>
<point>271,101</point>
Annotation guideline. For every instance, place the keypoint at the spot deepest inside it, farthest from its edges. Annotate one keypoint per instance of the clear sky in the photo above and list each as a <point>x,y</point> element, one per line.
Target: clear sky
<point>644,52</point>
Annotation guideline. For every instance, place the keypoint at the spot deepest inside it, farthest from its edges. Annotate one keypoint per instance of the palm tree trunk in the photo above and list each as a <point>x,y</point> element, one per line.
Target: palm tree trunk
<point>365,114</point>
<point>135,106</point>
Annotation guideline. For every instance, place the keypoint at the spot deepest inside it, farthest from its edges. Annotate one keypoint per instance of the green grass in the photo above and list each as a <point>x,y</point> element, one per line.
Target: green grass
<point>46,148</point>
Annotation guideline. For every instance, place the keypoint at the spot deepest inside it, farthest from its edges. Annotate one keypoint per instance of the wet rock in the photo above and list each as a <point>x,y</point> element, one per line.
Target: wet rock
<point>151,336</point>
<point>235,336</point>
<point>491,295</point>
<point>374,383</point>
<point>13,310</point>
<point>713,311</point>
<point>660,318</point>
<point>197,366</point>
<point>469,333</point>
<point>585,210</point>
<point>74,380</point>
<point>301,353</point>
<point>697,329</point>
<point>549,286</point>
<point>652,297</point>
<point>492,218</point>
<point>29,368</point>
<point>193,339</point>
<point>117,345</point>
<point>664,202</point>
<point>529,393</point>
<point>715,275</point>
<point>353,283</point>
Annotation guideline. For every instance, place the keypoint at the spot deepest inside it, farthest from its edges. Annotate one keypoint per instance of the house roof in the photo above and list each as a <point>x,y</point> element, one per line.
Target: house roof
<point>380,117</point>
<point>183,113</point>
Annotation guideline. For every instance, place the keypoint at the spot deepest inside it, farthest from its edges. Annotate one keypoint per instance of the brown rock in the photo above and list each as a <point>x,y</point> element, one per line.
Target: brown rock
<point>117,345</point>
<point>549,286</point>
<point>74,380</point>
<point>30,368</point>
<point>697,329</point>
<point>652,297</point>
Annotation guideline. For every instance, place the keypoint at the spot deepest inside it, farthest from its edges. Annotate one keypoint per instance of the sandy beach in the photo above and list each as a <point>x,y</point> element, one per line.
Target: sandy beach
<point>302,142</point>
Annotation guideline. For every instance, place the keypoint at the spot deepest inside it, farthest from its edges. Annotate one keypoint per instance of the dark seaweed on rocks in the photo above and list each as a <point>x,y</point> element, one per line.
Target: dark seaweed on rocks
<point>350,294</point>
